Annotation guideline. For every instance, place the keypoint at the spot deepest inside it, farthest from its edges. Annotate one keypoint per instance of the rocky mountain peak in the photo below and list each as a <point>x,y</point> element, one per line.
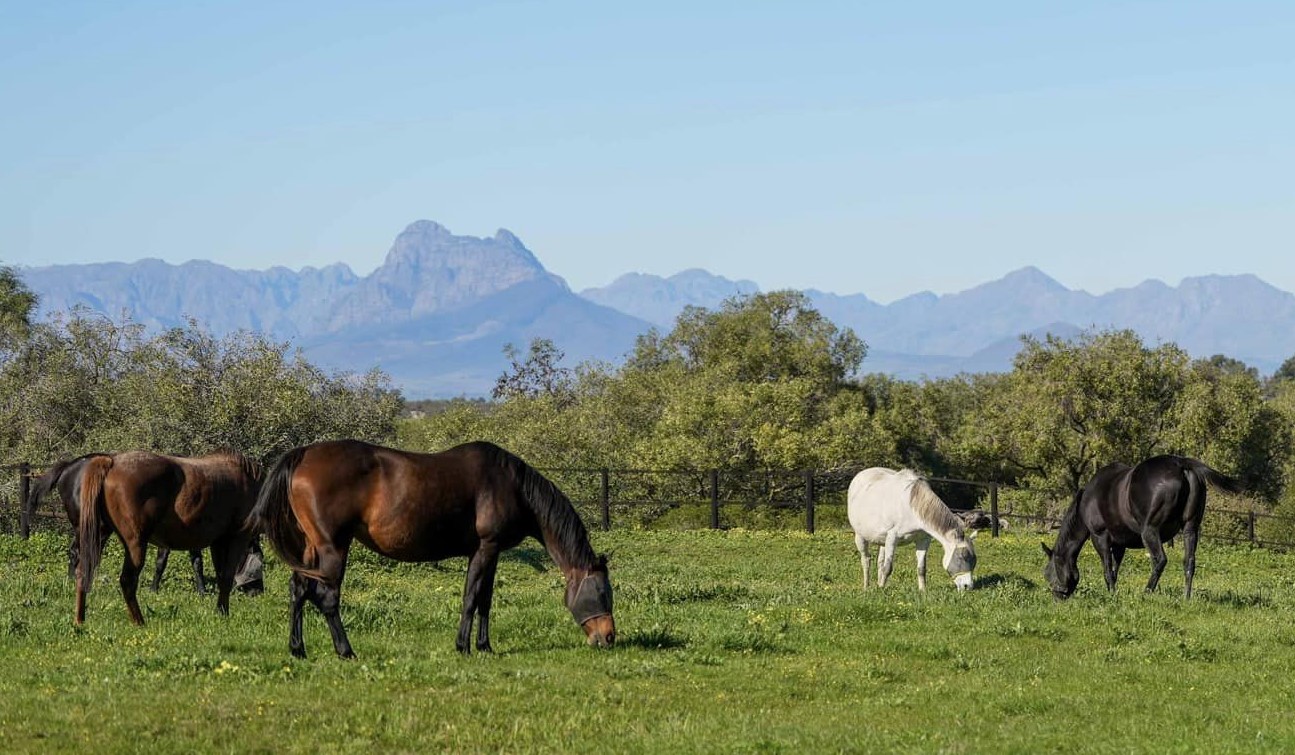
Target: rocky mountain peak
<point>429,269</point>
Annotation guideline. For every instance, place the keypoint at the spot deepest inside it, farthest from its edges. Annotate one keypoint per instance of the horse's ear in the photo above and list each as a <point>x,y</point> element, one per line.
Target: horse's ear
<point>1046,550</point>
<point>603,558</point>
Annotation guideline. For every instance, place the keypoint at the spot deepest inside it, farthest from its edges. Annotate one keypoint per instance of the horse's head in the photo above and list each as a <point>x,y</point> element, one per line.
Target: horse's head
<point>589,598</point>
<point>1062,574</point>
<point>960,561</point>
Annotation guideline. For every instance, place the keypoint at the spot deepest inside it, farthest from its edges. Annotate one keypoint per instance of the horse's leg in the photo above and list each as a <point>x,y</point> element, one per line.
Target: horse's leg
<point>1151,538</point>
<point>298,589</point>
<point>1117,558</point>
<point>923,545</point>
<point>887,559</point>
<point>199,581</point>
<point>327,594</point>
<point>73,552</point>
<point>863,546</point>
<point>485,595</point>
<point>131,566</point>
<point>482,563</point>
<point>1191,532</point>
<point>220,558</point>
<point>159,566</point>
<point>1102,544</point>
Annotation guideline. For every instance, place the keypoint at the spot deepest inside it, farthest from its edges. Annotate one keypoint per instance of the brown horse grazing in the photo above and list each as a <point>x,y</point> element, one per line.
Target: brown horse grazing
<point>174,502</point>
<point>473,500</point>
<point>65,477</point>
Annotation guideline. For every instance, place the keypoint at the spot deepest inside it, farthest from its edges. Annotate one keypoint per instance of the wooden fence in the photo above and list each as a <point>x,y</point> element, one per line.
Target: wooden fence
<point>717,499</point>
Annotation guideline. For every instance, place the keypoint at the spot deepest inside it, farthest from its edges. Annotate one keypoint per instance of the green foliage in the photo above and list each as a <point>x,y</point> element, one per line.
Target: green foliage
<point>17,303</point>
<point>760,338</point>
<point>1286,372</point>
<point>83,382</point>
<point>1069,407</point>
<point>1221,416</point>
<point>539,374</point>
<point>764,384</point>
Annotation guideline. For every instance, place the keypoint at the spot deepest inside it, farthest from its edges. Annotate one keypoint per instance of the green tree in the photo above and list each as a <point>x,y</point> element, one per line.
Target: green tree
<point>1286,371</point>
<point>84,382</point>
<point>17,304</point>
<point>1221,416</point>
<point>759,338</point>
<point>540,373</point>
<point>1069,407</point>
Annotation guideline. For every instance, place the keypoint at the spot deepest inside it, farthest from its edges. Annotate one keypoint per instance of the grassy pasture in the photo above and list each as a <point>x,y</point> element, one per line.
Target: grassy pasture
<point>732,641</point>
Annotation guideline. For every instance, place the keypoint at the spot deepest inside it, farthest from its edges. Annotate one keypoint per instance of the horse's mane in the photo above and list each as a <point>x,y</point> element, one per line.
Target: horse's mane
<point>929,508</point>
<point>1071,520</point>
<point>556,516</point>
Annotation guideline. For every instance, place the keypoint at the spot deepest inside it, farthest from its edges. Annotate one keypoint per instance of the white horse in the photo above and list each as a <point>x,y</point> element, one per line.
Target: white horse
<point>890,508</point>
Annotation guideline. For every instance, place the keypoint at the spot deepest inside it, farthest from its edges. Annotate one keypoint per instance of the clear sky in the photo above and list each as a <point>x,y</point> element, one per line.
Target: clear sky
<point>882,148</point>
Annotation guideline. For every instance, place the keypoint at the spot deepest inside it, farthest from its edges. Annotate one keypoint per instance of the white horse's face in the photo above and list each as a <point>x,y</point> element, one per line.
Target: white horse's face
<point>960,563</point>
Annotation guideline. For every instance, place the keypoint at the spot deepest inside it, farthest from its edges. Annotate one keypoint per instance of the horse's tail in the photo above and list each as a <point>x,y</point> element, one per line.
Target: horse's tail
<point>90,530</point>
<point>273,514</point>
<point>1213,477</point>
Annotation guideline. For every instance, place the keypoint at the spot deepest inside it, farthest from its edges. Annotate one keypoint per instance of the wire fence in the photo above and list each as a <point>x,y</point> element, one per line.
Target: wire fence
<point>811,500</point>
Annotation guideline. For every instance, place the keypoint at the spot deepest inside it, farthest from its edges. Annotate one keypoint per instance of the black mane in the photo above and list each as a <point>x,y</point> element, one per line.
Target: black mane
<point>556,516</point>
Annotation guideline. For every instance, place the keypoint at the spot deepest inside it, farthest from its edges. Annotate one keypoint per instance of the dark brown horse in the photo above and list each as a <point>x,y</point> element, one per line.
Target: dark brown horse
<point>473,500</point>
<point>1133,507</point>
<point>65,477</point>
<point>172,501</point>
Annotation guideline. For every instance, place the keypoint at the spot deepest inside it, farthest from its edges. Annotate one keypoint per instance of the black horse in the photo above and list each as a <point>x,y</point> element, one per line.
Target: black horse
<point>65,477</point>
<point>1142,506</point>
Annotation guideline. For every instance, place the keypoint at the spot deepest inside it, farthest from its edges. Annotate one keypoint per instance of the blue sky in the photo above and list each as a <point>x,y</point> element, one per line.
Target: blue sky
<point>882,148</point>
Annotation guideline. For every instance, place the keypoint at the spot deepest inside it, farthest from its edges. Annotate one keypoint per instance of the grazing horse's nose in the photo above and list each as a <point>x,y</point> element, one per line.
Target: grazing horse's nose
<point>964,582</point>
<point>600,632</point>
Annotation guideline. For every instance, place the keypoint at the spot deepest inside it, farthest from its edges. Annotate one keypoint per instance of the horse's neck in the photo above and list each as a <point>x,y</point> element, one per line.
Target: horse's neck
<point>561,549</point>
<point>1072,534</point>
<point>553,544</point>
<point>948,540</point>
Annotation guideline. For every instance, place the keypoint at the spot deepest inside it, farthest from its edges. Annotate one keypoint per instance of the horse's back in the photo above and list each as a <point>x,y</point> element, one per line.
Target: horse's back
<point>1122,500</point>
<point>404,505</point>
<point>141,476</point>
<point>878,500</point>
<point>183,502</point>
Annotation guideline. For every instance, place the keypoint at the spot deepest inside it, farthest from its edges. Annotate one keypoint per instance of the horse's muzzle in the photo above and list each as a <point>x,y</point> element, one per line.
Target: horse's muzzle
<point>600,632</point>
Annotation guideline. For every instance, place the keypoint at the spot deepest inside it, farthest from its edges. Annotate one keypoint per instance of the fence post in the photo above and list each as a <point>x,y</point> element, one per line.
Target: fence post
<point>809,501</point>
<point>714,499</point>
<point>1250,528</point>
<point>605,499</point>
<point>993,509</point>
<point>24,492</point>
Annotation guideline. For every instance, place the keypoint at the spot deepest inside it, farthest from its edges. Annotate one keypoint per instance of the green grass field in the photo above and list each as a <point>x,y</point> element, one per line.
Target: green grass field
<point>729,642</point>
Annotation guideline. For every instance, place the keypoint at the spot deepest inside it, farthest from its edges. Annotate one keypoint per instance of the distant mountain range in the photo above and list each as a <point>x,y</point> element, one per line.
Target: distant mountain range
<point>438,312</point>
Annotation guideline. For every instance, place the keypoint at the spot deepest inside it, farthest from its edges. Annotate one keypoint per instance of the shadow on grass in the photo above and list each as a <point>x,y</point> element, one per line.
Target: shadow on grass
<point>533,557</point>
<point>654,638</point>
<point>1006,582</point>
<point>1233,599</point>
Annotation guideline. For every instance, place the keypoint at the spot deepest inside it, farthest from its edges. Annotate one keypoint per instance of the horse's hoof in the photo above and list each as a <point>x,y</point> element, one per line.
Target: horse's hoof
<point>297,652</point>
<point>485,648</point>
